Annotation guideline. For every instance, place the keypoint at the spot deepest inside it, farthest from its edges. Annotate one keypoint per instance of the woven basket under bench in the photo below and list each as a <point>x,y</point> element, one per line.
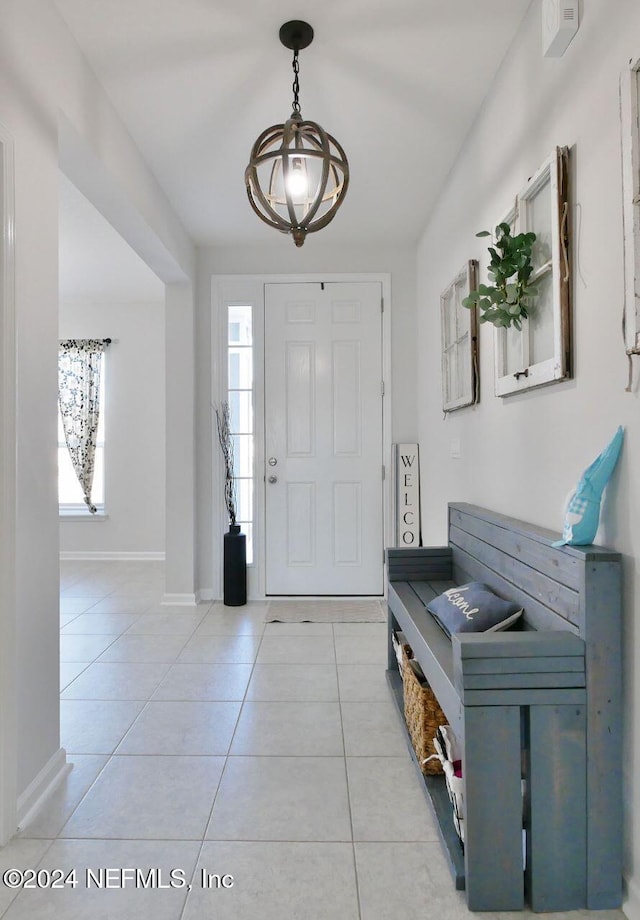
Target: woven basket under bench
<point>422,714</point>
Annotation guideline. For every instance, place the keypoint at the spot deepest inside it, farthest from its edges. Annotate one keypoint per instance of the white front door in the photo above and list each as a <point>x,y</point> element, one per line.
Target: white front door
<point>323,438</point>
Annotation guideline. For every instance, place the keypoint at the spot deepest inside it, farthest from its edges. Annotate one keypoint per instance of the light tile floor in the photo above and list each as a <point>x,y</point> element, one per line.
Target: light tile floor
<point>210,744</point>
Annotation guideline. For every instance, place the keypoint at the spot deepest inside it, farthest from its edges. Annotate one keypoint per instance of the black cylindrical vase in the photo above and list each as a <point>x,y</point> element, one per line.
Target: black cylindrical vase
<point>235,567</point>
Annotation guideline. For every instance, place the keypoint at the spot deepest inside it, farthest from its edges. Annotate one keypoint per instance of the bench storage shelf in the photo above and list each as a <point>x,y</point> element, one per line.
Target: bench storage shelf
<point>540,703</point>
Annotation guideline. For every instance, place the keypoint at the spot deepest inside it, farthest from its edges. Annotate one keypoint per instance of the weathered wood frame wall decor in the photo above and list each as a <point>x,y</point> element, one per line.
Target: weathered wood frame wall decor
<point>630,121</point>
<point>460,373</point>
<point>541,352</point>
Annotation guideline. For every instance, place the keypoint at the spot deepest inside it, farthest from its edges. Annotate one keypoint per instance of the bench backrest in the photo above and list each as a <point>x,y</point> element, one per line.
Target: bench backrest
<point>556,586</point>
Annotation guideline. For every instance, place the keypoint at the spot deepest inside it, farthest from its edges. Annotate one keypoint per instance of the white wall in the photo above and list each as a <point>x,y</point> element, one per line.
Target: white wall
<point>45,82</point>
<point>522,455</point>
<point>282,257</point>
<point>134,427</point>
<point>182,498</point>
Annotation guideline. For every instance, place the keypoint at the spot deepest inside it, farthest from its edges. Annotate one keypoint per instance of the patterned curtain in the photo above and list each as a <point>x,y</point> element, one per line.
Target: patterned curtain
<point>79,362</point>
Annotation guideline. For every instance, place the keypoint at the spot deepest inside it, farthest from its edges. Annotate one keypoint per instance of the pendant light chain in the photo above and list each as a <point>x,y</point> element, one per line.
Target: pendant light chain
<point>298,174</point>
<point>296,83</point>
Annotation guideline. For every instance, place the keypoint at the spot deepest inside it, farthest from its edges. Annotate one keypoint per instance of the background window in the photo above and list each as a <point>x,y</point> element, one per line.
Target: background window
<point>70,498</point>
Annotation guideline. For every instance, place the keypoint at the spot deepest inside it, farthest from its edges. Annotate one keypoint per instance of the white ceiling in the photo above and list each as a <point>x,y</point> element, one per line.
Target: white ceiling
<point>397,82</point>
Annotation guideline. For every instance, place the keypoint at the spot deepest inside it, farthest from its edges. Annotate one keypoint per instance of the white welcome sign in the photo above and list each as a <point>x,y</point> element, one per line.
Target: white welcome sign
<point>407,494</point>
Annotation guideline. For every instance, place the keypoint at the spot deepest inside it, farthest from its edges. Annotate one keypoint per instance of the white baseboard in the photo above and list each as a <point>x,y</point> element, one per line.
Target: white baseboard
<point>81,555</point>
<point>179,600</point>
<point>631,905</point>
<point>40,788</point>
<point>205,594</point>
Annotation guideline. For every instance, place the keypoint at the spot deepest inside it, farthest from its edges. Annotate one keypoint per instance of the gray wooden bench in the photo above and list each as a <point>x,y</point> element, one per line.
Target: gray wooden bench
<point>541,703</point>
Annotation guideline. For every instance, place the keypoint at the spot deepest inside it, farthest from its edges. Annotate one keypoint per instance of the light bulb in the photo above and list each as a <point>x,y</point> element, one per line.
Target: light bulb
<point>297,181</point>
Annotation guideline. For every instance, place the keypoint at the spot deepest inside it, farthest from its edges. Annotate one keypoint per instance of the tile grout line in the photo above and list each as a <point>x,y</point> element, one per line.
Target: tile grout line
<point>58,837</point>
<point>222,772</point>
<point>169,840</point>
<point>147,702</point>
<point>114,753</point>
<point>19,891</point>
<point>108,756</point>
<point>87,665</point>
<point>346,775</point>
<point>202,839</point>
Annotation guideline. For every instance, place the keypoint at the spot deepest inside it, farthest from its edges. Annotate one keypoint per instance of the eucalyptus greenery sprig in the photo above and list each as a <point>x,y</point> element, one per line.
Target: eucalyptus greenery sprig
<point>507,301</point>
<point>223,419</point>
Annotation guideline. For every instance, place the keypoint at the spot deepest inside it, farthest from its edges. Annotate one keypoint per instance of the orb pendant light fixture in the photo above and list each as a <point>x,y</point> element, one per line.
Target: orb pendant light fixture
<point>298,174</point>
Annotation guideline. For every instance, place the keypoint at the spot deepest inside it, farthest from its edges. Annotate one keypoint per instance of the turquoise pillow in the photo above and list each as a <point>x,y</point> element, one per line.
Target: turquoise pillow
<point>583,513</point>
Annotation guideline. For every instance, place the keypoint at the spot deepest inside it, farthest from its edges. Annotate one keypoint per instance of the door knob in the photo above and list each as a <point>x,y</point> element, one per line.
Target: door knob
<point>273,478</point>
<point>272,461</point>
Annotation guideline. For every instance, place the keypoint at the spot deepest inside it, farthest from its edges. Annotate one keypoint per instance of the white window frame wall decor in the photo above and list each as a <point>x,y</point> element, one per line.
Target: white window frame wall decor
<point>516,365</point>
<point>459,330</point>
<point>630,123</point>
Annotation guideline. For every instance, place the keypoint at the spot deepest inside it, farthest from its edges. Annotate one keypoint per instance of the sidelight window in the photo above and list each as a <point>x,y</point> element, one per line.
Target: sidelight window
<point>240,396</point>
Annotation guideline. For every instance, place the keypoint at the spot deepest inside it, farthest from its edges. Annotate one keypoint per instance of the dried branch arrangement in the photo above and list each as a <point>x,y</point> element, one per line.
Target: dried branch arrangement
<point>223,419</point>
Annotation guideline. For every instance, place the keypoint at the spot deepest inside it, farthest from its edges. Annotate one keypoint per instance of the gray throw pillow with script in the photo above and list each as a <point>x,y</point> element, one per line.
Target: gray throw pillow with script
<point>473,608</point>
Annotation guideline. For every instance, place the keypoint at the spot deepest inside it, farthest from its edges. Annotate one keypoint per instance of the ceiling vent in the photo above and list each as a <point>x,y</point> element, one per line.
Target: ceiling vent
<point>559,25</point>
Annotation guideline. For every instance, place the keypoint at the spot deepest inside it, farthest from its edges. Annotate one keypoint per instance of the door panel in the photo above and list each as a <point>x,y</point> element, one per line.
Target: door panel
<point>299,398</point>
<point>323,424</point>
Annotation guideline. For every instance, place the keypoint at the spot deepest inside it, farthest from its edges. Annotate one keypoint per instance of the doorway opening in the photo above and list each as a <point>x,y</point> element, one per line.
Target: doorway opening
<point>320,396</point>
